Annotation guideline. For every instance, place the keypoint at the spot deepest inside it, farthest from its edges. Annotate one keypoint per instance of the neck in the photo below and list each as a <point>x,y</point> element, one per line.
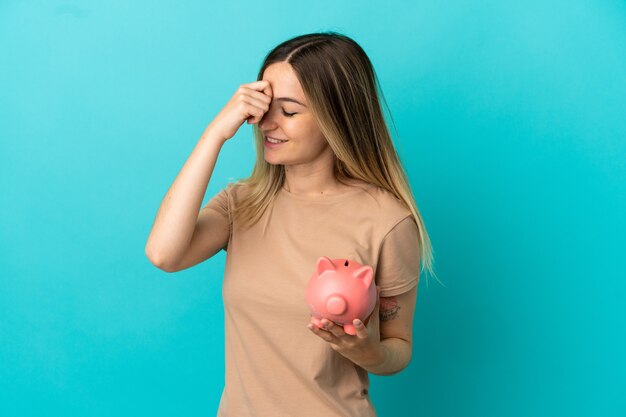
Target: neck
<point>312,182</point>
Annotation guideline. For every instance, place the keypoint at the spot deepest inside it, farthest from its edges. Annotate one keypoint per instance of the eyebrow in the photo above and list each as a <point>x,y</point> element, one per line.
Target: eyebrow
<point>293,100</point>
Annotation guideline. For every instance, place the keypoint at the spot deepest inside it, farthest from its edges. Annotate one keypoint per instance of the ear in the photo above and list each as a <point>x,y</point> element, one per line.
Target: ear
<point>366,274</point>
<point>324,264</point>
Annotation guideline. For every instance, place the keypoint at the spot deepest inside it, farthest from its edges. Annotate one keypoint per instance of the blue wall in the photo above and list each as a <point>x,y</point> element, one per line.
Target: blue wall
<point>510,119</point>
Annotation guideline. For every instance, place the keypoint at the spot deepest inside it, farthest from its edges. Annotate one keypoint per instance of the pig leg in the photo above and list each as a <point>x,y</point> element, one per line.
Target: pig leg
<point>349,329</point>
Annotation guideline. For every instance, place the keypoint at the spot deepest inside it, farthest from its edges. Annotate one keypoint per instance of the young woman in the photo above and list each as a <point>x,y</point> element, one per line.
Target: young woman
<point>327,182</point>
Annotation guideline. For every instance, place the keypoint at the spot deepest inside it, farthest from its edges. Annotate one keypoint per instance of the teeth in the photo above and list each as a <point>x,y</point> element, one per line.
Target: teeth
<point>270,140</point>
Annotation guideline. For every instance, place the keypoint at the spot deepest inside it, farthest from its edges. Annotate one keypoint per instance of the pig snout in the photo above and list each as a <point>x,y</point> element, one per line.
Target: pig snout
<point>336,304</point>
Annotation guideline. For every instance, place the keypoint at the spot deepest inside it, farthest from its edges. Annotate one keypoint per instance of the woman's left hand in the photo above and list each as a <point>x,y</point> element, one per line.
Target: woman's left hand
<point>364,348</point>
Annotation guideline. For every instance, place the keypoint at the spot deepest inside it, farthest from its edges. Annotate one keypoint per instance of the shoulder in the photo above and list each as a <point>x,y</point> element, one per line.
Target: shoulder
<point>387,206</point>
<point>381,206</point>
<point>237,190</point>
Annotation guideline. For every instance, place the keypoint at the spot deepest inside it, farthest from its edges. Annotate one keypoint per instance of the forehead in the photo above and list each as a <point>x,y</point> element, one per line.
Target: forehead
<point>284,82</point>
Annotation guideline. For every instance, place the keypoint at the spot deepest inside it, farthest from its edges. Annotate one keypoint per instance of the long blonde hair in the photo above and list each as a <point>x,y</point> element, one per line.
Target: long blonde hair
<point>341,86</point>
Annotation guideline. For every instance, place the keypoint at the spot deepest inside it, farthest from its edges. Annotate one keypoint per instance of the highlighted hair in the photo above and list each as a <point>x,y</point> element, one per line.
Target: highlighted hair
<point>342,90</point>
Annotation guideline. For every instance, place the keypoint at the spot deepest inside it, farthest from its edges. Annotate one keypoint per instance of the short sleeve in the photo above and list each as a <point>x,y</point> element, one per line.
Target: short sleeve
<point>399,262</point>
<point>220,203</point>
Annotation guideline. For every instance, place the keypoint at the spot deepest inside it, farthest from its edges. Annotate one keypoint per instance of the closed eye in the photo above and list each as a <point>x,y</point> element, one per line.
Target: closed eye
<point>288,114</point>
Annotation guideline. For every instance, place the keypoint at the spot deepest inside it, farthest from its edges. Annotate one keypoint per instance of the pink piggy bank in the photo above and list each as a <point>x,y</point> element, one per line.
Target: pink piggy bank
<point>341,290</point>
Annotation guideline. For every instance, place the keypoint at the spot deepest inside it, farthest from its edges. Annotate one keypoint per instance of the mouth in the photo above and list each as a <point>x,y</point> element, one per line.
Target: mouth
<point>272,143</point>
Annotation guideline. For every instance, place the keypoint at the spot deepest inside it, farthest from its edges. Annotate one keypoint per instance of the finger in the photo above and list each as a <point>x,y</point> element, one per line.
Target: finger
<point>256,114</point>
<point>323,334</point>
<point>316,321</point>
<point>263,99</point>
<point>331,327</point>
<point>263,104</point>
<point>361,330</point>
<point>264,86</point>
<point>260,85</point>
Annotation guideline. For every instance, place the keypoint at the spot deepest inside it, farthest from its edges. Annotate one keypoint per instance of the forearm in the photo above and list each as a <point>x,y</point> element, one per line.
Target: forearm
<point>177,216</point>
<point>395,356</point>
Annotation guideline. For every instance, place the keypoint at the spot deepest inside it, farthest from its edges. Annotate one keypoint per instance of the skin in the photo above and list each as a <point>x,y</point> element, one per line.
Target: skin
<point>382,344</point>
<point>307,157</point>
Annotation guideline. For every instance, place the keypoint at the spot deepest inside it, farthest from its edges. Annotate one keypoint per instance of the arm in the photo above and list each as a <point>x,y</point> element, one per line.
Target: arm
<point>396,329</point>
<point>171,245</point>
<point>176,219</point>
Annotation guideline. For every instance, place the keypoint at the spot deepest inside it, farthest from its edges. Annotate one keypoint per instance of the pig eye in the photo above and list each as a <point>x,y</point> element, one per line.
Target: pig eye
<point>346,264</point>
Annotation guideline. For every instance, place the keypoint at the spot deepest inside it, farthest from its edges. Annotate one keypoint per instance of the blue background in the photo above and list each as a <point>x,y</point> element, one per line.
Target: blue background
<point>510,120</point>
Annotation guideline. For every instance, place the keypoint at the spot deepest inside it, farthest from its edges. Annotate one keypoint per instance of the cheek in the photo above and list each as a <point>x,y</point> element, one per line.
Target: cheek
<point>311,143</point>
<point>319,143</point>
<point>305,131</point>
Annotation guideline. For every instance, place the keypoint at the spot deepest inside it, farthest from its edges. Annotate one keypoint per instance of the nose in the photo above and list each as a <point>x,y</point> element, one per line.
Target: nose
<point>267,122</point>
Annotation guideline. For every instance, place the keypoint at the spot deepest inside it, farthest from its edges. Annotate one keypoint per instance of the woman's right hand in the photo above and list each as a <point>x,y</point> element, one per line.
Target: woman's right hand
<point>249,103</point>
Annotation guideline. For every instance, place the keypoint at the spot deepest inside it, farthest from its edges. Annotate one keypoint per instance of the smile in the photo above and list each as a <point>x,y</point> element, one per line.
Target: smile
<point>272,140</point>
<point>272,143</point>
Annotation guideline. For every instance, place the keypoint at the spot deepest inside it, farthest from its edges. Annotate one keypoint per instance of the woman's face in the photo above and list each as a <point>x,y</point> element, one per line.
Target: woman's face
<point>289,118</point>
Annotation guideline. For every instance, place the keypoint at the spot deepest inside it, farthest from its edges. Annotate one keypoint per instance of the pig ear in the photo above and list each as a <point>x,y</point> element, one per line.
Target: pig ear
<point>365,273</point>
<point>324,264</point>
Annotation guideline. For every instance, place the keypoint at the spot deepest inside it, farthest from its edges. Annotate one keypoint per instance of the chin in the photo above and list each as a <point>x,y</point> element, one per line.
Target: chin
<point>272,162</point>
